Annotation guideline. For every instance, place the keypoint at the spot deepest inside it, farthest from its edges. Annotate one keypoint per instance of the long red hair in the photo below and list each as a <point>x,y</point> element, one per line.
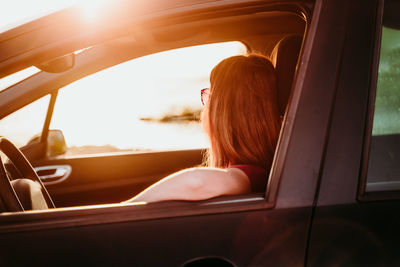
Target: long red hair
<point>243,114</point>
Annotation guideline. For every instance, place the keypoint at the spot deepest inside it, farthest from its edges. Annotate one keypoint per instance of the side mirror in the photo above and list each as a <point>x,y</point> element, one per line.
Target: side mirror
<point>56,144</point>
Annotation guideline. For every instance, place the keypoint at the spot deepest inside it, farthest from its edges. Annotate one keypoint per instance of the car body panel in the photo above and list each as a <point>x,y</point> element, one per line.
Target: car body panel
<point>174,241</point>
<point>348,228</point>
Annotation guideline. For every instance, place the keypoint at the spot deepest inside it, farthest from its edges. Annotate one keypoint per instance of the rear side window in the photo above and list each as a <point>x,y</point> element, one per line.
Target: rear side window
<point>384,158</point>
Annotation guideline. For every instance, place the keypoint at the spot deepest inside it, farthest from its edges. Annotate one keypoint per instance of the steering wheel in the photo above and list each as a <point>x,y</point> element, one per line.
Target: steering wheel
<point>7,192</point>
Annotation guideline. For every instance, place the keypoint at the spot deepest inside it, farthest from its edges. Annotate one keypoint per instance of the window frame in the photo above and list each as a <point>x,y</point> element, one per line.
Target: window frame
<point>363,194</point>
<point>132,212</point>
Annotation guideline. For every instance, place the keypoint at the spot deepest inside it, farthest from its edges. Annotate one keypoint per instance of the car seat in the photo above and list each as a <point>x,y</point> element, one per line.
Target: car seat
<point>284,56</point>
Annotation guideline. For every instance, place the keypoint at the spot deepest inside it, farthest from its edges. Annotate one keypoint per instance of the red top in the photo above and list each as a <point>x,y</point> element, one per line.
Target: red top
<point>257,175</point>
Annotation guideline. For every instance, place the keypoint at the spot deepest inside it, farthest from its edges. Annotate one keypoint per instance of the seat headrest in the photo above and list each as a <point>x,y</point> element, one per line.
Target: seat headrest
<point>284,57</point>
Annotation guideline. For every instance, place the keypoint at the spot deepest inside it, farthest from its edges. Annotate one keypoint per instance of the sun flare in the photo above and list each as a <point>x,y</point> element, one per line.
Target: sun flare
<point>91,9</point>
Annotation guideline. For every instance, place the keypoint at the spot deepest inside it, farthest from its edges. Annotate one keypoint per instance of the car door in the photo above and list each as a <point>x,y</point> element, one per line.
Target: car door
<point>246,230</point>
<point>356,219</point>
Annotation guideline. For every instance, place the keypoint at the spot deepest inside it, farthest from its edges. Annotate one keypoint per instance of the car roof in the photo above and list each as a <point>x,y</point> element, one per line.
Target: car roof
<point>72,29</point>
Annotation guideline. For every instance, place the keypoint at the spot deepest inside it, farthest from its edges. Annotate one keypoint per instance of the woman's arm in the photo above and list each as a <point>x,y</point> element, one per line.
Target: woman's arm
<point>196,184</point>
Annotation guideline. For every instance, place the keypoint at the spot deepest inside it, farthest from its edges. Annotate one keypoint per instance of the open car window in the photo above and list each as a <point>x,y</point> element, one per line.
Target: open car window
<point>138,96</point>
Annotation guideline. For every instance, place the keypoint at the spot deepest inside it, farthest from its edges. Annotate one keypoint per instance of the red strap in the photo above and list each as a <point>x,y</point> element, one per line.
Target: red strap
<point>257,176</point>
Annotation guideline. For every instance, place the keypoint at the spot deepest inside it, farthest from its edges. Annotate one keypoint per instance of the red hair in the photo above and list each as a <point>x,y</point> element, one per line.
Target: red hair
<point>243,114</point>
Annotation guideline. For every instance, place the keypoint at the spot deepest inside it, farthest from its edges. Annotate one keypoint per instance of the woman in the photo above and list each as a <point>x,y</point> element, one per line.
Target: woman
<point>241,118</point>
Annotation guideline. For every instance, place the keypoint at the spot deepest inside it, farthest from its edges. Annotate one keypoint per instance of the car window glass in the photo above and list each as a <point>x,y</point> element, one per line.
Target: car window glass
<point>384,167</point>
<point>149,103</point>
<point>21,126</point>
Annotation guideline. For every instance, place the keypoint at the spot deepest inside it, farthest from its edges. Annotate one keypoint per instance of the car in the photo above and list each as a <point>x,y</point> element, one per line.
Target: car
<point>333,194</point>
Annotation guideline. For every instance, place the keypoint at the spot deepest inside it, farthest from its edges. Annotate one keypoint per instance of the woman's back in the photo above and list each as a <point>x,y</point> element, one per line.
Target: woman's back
<point>241,118</point>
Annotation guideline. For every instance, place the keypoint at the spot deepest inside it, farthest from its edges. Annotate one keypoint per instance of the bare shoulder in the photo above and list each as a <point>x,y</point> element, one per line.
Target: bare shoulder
<point>229,173</point>
<point>234,180</point>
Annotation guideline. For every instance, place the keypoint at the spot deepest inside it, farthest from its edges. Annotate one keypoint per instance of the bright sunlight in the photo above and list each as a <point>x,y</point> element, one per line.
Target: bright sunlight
<point>17,12</point>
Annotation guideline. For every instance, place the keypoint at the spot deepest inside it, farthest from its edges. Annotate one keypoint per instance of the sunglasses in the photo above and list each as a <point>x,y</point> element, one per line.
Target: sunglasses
<point>205,93</point>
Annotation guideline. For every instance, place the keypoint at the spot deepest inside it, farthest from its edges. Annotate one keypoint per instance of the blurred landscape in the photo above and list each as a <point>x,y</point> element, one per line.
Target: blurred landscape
<point>187,115</point>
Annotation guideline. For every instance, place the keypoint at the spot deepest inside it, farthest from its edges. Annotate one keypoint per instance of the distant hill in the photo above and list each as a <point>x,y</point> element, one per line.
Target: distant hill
<point>187,115</point>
